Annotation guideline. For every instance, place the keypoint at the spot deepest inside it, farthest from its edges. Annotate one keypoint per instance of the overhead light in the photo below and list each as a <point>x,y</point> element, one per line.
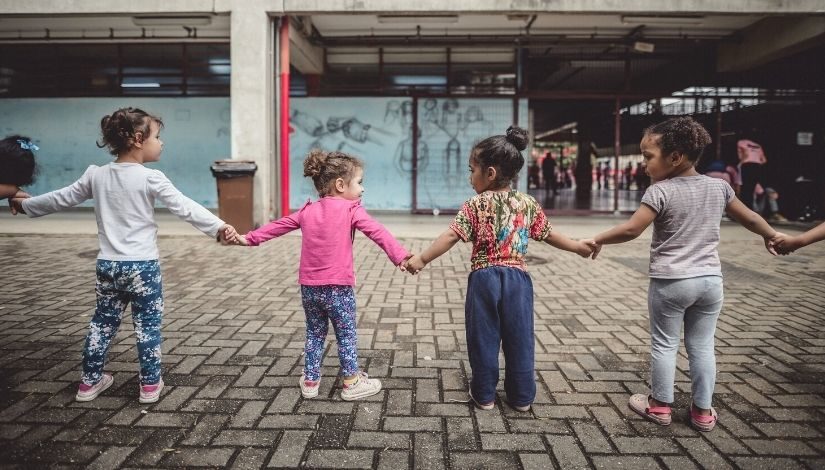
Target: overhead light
<point>417,19</point>
<point>201,20</point>
<point>686,20</point>
<point>641,46</point>
<point>140,85</point>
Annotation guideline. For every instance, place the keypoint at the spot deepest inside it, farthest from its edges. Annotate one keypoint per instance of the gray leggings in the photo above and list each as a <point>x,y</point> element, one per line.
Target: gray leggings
<point>696,302</point>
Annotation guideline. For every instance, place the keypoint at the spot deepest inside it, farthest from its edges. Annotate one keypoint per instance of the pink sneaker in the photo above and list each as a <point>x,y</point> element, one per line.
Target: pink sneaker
<point>150,393</point>
<point>309,388</point>
<point>90,392</point>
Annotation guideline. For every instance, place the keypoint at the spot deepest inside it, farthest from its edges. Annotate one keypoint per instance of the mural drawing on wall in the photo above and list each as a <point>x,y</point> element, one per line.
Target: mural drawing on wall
<point>376,130</point>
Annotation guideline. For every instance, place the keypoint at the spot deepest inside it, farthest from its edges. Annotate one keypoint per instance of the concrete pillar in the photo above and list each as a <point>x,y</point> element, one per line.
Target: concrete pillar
<point>253,101</point>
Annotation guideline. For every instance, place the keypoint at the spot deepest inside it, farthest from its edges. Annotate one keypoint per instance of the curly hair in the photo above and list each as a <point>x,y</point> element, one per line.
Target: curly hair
<point>683,135</point>
<point>326,167</point>
<point>502,152</point>
<point>17,164</point>
<point>120,129</point>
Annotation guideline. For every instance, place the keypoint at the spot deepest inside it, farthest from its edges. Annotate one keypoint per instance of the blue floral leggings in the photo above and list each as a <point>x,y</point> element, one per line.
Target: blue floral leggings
<point>322,304</point>
<point>118,284</point>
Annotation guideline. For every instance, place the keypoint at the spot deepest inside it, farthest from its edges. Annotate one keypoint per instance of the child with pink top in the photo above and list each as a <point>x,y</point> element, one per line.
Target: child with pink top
<point>326,270</point>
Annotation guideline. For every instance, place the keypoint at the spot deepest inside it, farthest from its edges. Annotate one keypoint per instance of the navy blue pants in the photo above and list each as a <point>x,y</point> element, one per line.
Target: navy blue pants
<point>499,312</point>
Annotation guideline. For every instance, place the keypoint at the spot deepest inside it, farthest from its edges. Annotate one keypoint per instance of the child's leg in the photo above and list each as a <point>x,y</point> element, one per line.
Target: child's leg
<point>483,334</point>
<point>314,300</point>
<point>104,324</point>
<point>143,280</point>
<point>342,315</point>
<point>700,326</point>
<point>667,300</point>
<point>517,337</point>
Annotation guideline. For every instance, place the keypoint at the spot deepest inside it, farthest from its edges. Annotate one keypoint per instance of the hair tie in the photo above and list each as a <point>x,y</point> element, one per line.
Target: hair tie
<point>27,145</point>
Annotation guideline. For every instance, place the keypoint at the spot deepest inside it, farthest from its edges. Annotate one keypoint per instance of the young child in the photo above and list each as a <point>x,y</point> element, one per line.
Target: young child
<point>499,306</point>
<point>685,272</point>
<point>17,167</point>
<point>128,270</point>
<point>786,244</point>
<point>326,272</point>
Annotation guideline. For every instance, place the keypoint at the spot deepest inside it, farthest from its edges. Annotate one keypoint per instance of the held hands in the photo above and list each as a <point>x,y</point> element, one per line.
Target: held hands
<point>593,248</point>
<point>413,265</point>
<point>782,244</point>
<point>226,234</point>
<point>16,202</point>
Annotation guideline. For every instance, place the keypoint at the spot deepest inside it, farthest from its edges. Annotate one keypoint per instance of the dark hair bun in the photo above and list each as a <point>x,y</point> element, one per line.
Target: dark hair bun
<point>518,137</point>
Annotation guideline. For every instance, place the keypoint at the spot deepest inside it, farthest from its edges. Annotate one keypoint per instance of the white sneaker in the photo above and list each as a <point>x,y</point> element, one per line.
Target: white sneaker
<point>309,388</point>
<point>364,387</point>
<point>90,392</point>
<point>150,393</point>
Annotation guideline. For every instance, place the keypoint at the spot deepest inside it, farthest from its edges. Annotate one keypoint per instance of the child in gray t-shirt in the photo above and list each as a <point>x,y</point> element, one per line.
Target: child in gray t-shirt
<point>685,273</point>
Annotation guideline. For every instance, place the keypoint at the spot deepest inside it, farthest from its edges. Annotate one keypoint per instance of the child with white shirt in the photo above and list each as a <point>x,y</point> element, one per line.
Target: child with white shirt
<point>128,270</point>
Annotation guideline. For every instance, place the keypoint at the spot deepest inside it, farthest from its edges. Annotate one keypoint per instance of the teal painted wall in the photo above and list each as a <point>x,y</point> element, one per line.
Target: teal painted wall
<point>196,133</point>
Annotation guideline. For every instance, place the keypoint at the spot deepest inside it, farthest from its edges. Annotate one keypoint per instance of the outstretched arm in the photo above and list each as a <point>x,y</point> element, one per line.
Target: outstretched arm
<point>786,244</point>
<point>752,221</point>
<point>60,199</point>
<point>629,230</point>
<point>441,245</point>
<point>379,234</point>
<point>563,242</point>
<point>625,232</point>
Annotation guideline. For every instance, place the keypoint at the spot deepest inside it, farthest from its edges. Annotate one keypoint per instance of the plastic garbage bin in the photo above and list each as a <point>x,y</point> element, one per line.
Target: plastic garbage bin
<point>235,192</point>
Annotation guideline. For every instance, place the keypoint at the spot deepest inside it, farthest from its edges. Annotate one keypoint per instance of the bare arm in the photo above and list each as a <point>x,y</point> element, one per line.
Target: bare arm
<point>786,244</point>
<point>563,242</point>
<point>629,230</point>
<point>441,245</point>
<point>749,219</point>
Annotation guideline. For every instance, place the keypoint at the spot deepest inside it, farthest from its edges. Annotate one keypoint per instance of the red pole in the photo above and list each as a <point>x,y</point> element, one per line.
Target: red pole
<point>283,44</point>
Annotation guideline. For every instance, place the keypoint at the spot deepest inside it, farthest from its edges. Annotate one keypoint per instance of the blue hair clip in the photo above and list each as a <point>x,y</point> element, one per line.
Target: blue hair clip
<point>27,145</point>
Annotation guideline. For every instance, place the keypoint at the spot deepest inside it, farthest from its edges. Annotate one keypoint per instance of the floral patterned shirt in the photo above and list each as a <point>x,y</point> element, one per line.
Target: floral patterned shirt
<point>499,225</point>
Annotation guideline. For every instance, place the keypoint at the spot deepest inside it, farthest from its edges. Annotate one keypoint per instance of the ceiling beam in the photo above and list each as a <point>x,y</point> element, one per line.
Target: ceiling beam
<point>769,40</point>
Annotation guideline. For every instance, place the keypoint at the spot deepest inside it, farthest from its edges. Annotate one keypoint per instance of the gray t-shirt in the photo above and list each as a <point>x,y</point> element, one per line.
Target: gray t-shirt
<point>686,227</point>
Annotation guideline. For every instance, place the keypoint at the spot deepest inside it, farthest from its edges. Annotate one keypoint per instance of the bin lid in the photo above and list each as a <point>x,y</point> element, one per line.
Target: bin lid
<point>233,167</point>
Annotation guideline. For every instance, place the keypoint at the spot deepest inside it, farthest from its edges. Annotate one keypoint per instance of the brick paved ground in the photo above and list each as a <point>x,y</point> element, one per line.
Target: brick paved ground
<point>234,334</point>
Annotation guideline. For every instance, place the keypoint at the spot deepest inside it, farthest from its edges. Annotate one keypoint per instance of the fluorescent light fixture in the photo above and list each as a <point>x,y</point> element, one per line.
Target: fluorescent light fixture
<point>417,19</point>
<point>140,85</point>
<point>642,46</point>
<point>415,80</point>
<point>673,20</point>
<point>202,20</point>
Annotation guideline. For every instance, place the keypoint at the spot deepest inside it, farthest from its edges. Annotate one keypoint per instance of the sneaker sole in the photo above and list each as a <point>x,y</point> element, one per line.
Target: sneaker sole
<point>84,398</point>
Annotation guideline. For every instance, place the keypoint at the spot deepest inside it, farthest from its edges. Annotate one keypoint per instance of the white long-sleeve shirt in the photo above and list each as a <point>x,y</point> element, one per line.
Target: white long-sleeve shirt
<point>125,195</point>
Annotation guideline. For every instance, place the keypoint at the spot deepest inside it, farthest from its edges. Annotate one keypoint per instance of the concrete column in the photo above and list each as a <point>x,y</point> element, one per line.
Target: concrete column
<point>253,101</point>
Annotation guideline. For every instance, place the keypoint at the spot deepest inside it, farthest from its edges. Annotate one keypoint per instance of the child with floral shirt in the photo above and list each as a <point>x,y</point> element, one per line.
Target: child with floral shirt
<point>499,306</point>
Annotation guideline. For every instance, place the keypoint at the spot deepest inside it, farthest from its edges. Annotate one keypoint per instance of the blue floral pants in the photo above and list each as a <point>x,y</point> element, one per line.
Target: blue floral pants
<point>118,284</point>
<point>323,304</point>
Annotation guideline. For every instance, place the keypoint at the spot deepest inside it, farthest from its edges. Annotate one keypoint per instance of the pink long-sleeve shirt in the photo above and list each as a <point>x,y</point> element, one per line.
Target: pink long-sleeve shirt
<point>327,230</point>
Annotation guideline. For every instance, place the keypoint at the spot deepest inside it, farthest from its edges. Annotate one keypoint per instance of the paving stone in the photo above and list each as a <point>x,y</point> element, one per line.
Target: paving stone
<point>232,359</point>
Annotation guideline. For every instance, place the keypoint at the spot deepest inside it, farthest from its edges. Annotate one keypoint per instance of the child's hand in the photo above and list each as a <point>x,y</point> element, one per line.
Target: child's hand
<point>770,243</point>
<point>583,249</point>
<point>594,247</point>
<point>16,204</point>
<point>240,240</point>
<point>226,233</point>
<point>403,264</point>
<point>785,244</point>
<point>414,265</point>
